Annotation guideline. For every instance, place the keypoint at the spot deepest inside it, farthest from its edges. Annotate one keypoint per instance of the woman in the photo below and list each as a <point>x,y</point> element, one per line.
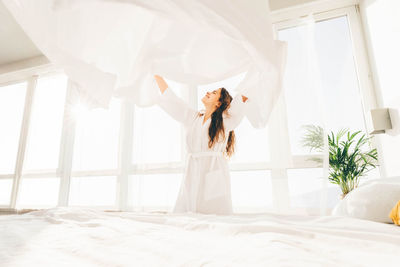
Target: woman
<point>206,184</point>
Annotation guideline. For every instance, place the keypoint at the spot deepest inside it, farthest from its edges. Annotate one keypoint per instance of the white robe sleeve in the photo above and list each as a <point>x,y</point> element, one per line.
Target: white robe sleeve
<point>236,112</point>
<point>176,107</point>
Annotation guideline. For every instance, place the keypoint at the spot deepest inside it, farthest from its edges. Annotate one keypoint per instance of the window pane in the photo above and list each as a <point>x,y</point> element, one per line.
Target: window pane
<point>251,144</point>
<point>337,75</point>
<point>92,191</point>
<point>38,192</point>
<point>251,190</point>
<point>5,191</point>
<point>157,136</point>
<point>305,187</point>
<point>46,123</point>
<point>12,100</point>
<point>154,190</point>
<point>96,137</point>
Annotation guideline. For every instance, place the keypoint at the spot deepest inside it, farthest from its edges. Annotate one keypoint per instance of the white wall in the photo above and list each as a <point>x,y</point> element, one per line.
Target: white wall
<point>381,20</point>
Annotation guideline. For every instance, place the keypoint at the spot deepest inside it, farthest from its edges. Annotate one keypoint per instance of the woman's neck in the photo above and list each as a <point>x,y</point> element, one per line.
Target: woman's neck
<point>208,113</point>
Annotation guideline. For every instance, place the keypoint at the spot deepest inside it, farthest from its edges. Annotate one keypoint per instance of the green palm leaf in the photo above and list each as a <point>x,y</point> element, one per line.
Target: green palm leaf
<point>347,159</point>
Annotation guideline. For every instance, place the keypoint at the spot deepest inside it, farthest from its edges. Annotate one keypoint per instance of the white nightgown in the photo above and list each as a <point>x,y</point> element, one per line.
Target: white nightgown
<point>206,186</point>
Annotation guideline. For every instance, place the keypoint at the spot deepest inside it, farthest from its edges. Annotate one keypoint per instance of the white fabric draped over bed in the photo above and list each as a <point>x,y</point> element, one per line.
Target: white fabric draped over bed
<point>85,237</point>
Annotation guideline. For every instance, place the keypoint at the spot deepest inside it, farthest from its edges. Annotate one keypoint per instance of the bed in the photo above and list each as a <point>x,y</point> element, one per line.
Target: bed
<point>71,236</point>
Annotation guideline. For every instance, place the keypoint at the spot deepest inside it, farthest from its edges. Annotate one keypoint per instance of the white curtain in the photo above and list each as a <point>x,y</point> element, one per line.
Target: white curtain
<point>111,49</point>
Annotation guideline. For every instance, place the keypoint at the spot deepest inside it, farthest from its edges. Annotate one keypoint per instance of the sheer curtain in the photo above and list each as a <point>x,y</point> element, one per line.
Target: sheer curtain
<point>113,48</point>
<point>304,183</point>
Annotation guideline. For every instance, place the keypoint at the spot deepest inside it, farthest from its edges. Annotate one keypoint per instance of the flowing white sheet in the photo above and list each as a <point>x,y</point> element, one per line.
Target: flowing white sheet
<point>114,47</point>
<point>85,237</point>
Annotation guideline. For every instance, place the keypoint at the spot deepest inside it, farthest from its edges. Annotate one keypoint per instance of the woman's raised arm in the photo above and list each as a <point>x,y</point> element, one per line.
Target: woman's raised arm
<point>173,105</point>
<point>236,112</point>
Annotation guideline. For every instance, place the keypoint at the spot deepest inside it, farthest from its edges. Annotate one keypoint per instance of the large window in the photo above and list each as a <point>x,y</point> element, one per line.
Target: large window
<point>322,84</point>
<point>336,73</point>
<point>130,157</point>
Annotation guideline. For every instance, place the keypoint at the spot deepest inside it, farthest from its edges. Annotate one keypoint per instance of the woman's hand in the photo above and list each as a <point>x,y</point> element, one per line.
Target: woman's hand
<point>161,83</point>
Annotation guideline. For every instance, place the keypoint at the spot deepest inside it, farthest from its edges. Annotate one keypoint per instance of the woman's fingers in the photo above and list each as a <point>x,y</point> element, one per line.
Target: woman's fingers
<point>161,83</point>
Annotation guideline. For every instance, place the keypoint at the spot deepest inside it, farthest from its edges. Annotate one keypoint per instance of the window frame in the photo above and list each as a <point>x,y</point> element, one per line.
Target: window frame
<point>293,17</point>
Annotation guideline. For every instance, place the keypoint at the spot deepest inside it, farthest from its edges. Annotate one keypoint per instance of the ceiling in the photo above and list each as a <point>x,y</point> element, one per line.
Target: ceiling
<point>15,45</point>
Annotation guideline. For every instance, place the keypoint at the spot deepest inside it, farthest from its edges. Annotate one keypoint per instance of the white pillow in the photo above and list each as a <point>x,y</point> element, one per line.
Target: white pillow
<point>371,201</point>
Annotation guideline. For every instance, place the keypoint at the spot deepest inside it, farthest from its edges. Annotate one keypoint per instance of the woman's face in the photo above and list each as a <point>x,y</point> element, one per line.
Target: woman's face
<point>212,97</point>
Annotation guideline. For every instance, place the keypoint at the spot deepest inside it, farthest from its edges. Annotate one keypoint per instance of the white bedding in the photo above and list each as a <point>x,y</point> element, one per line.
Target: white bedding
<point>86,237</point>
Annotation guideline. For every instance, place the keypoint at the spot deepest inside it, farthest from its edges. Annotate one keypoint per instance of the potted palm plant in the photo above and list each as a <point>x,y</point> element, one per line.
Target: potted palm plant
<point>348,162</point>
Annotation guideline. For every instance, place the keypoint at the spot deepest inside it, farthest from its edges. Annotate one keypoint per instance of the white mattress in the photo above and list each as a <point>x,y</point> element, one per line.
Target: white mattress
<point>86,237</point>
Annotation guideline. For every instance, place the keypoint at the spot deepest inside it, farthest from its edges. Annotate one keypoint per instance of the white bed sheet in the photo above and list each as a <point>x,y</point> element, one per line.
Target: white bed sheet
<point>70,236</point>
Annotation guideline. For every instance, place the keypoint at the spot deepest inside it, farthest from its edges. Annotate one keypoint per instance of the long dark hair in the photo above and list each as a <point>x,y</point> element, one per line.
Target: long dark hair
<point>217,129</point>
